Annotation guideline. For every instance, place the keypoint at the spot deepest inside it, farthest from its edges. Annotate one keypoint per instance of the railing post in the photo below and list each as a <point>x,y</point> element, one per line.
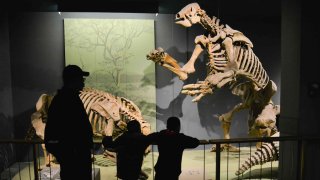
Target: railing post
<point>35,161</point>
<point>301,146</point>
<point>218,157</point>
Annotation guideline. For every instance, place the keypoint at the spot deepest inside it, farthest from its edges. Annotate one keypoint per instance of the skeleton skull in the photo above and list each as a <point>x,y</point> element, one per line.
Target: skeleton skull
<point>188,15</point>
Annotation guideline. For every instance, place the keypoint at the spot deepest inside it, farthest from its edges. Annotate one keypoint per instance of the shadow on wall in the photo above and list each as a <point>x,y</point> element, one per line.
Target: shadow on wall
<point>6,150</point>
<point>173,107</point>
<point>212,106</point>
<point>40,83</point>
<point>165,78</point>
<point>208,108</point>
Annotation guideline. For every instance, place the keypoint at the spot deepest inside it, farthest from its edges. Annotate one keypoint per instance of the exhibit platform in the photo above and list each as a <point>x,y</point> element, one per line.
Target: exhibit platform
<point>200,164</point>
<point>24,170</point>
<point>196,165</point>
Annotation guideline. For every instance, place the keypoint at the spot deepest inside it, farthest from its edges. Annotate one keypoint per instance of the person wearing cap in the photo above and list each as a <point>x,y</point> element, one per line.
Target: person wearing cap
<point>68,132</point>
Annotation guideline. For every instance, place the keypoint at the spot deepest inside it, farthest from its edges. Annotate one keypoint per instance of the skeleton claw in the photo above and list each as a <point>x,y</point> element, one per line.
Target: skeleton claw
<point>200,89</point>
<point>192,86</point>
<point>191,92</point>
<point>198,97</point>
<point>157,56</point>
<point>199,85</point>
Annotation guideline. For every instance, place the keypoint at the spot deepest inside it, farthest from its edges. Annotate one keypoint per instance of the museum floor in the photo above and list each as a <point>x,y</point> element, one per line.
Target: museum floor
<point>193,167</point>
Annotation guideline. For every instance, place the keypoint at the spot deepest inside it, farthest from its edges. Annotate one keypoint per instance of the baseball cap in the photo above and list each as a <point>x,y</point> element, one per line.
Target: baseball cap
<point>72,72</point>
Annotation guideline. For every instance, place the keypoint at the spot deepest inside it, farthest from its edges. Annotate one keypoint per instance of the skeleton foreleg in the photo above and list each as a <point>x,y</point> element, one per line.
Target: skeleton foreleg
<point>189,67</point>
<point>226,118</point>
<point>182,75</point>
<point>168,60</point>
<point>160,57</point>
<point>228,46</point>
<point>109,127</point>
<point>94,123</point>
<point>46,155</point>
<point>226,123</point>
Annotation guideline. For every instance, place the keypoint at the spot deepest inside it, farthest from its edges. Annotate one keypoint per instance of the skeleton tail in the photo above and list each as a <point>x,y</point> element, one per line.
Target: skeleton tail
<point>267,153</point>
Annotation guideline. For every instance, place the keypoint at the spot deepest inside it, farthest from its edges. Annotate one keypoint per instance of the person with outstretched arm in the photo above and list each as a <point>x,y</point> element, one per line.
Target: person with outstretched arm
<point>171,144</point>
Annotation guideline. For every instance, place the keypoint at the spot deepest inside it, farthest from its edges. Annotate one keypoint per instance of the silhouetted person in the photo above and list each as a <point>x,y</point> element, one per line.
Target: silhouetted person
<point>130,148</point>
<point>68,132</point>
<point>171,145</point>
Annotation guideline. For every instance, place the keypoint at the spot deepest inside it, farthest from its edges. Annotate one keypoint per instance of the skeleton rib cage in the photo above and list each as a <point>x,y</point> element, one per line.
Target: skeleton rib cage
<point>119,107</point>
<point>88,98</point>
<point>100,106</point>
<point>247,62</point>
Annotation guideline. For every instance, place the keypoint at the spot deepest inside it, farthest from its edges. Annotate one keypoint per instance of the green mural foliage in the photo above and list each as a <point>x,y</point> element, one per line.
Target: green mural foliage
<point>113,51</point>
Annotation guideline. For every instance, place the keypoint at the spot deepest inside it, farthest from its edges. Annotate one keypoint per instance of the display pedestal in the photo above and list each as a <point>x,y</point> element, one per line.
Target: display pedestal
<point>50,173</point>
<point>191,173</point>
<point>96,174</point>
<point>53,173</point>
<point>13,171</point>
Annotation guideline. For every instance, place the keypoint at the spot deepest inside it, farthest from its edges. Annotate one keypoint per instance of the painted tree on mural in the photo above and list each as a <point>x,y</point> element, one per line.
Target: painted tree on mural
<point>113,51</point>
<point>112,41</point>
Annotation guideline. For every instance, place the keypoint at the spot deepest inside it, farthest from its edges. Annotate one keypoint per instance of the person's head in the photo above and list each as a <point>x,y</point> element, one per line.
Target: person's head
<point>173,124</point>
<point>134,126</point>
<point>73,77</point>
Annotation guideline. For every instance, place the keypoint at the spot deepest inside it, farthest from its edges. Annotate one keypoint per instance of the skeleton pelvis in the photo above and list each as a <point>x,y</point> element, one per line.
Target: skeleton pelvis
<point>260,131</point>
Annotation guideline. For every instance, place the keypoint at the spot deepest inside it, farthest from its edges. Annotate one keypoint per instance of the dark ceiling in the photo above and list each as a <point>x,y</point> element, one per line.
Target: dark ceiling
<point>230,7</point>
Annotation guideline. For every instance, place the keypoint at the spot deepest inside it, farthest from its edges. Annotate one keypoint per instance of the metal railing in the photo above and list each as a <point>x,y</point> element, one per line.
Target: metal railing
<point>36,154</point>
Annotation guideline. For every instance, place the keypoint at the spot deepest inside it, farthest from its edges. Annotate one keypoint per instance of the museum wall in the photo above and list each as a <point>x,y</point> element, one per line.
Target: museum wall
<point>37,59</point>
<point>6,106</point>
<point>300,93</point>
<point>310,88</point>
<point>34,58</point>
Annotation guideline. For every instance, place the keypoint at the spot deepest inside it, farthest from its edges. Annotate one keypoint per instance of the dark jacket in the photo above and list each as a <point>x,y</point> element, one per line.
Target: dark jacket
<point>171,146</point>
<point>68,122</point>
<point>130,148</point>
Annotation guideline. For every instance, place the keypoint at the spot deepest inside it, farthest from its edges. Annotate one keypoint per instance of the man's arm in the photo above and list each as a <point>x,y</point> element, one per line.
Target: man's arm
<point>109,144</point>
<point>190,142</point>
<point>152,138</point>
<point>107,141</point>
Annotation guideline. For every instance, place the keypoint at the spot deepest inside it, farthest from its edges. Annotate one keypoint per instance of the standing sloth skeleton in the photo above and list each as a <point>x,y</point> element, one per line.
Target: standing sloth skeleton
<point>108,115</point>
<point>231,62</point>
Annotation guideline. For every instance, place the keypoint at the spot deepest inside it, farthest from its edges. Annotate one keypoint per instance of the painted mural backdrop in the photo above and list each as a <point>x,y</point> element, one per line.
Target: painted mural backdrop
<point>113,51</point>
